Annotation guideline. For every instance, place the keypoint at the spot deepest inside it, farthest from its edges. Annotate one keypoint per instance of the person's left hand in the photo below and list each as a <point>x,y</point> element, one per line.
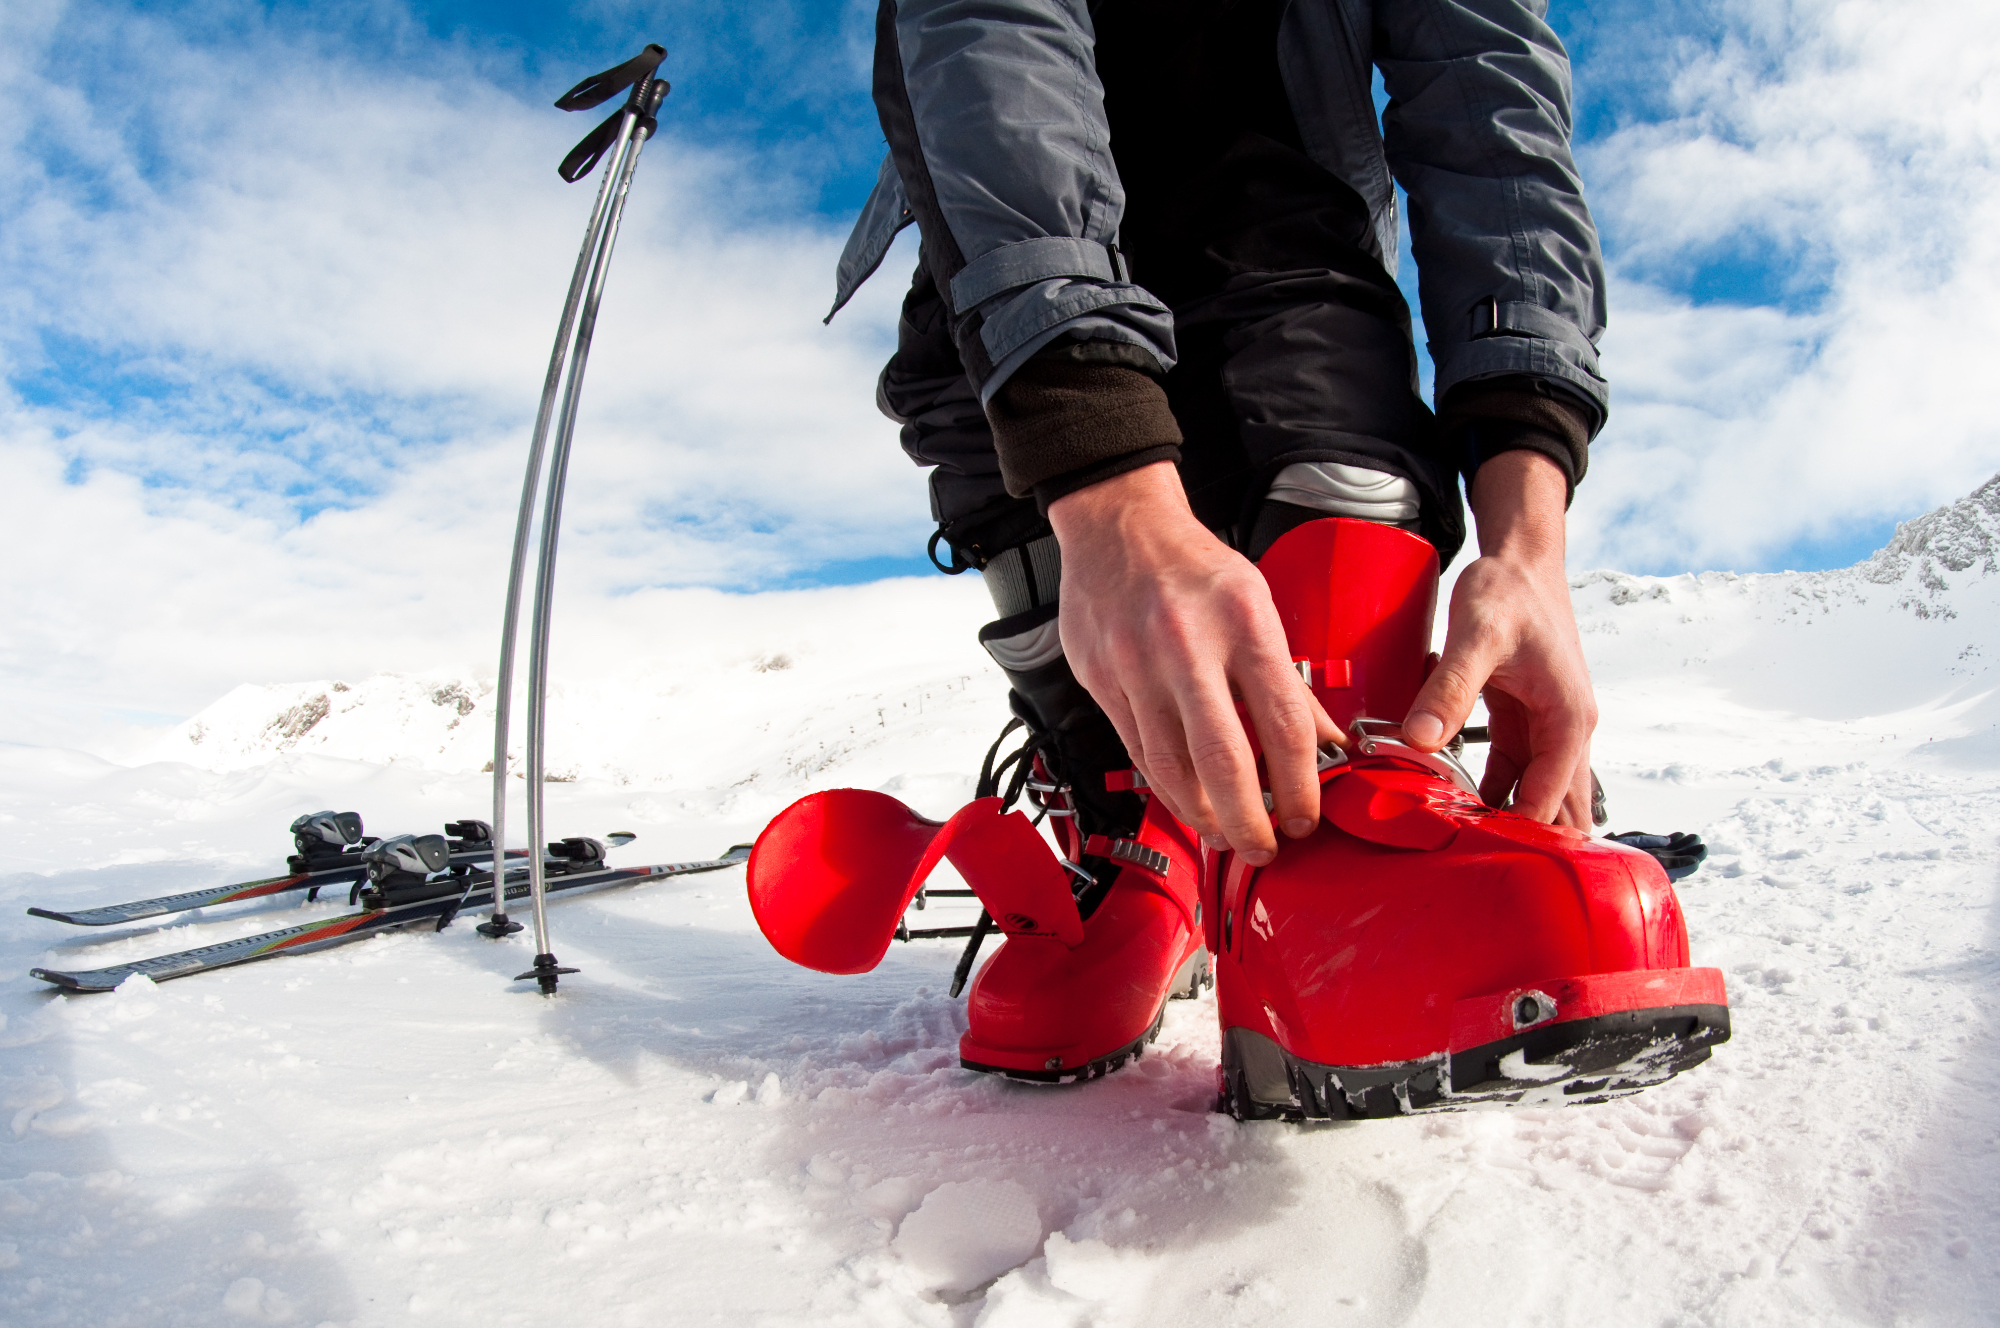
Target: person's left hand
<point>1512,637</point>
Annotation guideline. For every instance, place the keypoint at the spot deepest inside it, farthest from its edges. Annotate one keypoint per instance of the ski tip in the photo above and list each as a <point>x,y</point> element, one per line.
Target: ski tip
<point>737,852</point>
<point>67,981</point>
<point>619,838</point>
<point>50,915</point>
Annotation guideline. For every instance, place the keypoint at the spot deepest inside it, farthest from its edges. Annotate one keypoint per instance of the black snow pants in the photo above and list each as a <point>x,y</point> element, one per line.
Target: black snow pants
<point>1294,342</point>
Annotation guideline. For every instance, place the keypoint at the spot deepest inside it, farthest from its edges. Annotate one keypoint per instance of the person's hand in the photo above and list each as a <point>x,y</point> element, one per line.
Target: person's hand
<point>1512,635</point>
<point>1166,626</point>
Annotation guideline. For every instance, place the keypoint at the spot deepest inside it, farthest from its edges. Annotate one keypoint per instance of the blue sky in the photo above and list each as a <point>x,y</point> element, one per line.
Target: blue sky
<point>280,280</point>
<point>782,88</point>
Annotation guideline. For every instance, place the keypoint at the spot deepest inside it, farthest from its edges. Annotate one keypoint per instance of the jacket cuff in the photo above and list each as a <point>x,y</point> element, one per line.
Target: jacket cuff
<point>1483,419</point>
<point>1063,422</point>
<point>1049,490</point>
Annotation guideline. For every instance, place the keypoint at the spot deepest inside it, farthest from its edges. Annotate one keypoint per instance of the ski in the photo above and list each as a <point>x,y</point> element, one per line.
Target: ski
<point>323,859</point>
<point>454,893</point>
<point>313,881</point>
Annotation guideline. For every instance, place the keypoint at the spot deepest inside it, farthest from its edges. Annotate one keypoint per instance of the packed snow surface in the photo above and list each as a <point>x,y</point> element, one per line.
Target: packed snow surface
<point>695,1131</point>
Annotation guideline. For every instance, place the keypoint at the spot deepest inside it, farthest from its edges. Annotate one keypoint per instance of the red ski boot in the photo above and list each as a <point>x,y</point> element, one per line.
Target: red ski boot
<point>1098,935</point>
<point>1053,1015</point>
<point>1421,951</point>
<point>1064,998</point>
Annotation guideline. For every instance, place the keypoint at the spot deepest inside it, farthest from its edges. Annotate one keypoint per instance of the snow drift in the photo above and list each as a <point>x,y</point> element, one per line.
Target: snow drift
<point>1915,627</point>
<point>697,1131</point>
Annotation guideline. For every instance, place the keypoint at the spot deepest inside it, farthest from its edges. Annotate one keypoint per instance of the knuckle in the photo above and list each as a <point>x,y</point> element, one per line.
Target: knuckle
<point>1217,753</point>
<point>1456,678</point>
<point>1172,768</point>
<point>1287,719</point>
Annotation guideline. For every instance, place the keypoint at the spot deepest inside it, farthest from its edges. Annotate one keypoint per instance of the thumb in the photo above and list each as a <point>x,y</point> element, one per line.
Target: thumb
<point>1446,699</point>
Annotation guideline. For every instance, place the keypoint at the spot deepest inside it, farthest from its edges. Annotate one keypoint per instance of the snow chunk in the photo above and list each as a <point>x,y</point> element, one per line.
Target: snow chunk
<point>966,1233</point>
<point>1025,1298</point>
<point>770,1093</point>
<point>30,1095</point>
<point>1090,1269</point>
<point>891,1198</point>
<point>1515,1065</point>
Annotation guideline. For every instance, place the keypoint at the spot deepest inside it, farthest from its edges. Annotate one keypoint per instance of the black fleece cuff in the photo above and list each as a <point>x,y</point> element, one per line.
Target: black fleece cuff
<point>1070,481</point>
<point>1062,423</point>
<point>1486,418</point>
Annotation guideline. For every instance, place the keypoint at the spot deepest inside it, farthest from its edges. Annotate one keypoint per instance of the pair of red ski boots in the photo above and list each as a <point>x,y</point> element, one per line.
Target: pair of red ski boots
<point>1419,951</point>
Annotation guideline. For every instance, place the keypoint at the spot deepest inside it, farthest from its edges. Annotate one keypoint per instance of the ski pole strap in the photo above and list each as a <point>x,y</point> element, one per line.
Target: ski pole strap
<point>600,88</point>
<point>643,105</point>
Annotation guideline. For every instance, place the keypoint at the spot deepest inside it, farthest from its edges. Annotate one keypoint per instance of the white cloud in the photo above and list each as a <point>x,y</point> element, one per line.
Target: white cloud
<point>309,281</point>
<point>338,287</point>
<point>1855,140</point>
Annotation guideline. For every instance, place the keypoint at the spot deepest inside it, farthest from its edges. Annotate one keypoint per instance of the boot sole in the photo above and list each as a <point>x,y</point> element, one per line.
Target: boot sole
<point>1194,973</point>
<point>1092,1069</point>
<point>1577,1061</point>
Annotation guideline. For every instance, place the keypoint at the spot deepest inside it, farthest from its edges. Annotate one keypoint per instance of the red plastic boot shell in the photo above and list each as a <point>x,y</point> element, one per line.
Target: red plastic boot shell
<point>1044,1012</point>
<point>1420,950</point>
<point>1358,951</point>
<point>1362,979</point>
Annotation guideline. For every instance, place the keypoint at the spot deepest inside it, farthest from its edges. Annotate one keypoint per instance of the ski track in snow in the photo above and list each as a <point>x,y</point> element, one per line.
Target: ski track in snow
<point>695,1131</point>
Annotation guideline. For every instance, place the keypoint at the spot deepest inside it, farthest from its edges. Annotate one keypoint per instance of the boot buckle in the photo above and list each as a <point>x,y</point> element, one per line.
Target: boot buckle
<point>1143,856</point>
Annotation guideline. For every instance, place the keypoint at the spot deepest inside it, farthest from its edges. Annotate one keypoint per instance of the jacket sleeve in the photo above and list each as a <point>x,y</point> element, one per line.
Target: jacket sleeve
<point>996,128</point>
<point>1478,131</point>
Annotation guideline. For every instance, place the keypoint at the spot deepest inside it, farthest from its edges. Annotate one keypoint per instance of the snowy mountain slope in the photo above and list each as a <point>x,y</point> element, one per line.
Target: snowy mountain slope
<point>695,1131</point>
<point>1914,630</point>
<point>1916,627</point>
<point>707,690</point>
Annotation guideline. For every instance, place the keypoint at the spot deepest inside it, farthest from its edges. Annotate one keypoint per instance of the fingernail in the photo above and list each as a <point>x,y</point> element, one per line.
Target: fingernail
<point>1423,728</point>
<point>1258,857</point>
<point>1216,842</point>
<point>1298,827</point>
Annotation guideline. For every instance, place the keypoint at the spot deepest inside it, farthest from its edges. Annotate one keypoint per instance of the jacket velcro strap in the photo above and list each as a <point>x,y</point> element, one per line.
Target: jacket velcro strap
<point>1026,262</point>
<point>1514,318</point>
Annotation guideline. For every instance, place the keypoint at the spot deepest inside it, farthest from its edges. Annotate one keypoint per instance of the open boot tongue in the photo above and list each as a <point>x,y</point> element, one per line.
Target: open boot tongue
<point>831,875</point>
<point>1356,600</point>
<point>1396,808</point>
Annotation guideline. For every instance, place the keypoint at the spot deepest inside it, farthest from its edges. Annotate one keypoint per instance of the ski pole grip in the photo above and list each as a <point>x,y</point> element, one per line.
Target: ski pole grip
<point>600,88</point>
<point>646,99</point>
<point>643,104</point>
<point>583,158</point>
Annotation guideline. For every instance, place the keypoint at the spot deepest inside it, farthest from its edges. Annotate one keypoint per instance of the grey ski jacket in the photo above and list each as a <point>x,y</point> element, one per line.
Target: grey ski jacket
<point>999,150</point>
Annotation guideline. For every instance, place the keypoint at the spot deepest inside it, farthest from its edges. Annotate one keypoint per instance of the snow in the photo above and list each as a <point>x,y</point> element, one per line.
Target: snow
<point>968,1232</point>
<point>694,1131</point>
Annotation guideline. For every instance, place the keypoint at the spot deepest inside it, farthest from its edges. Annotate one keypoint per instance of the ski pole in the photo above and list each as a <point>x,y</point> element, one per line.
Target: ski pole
<point>591,92</point>
<point>622,134</point>
<point>503,699</point>
<point>635,124</point>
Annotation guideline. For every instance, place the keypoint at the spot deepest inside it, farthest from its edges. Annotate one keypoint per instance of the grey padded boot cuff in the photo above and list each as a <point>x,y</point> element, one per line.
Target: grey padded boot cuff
<point>1024,642</point>
<point>1024,578</point>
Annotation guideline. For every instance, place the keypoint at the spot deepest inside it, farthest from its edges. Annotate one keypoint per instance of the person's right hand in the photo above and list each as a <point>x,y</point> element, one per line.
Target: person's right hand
<point>1167,627</point>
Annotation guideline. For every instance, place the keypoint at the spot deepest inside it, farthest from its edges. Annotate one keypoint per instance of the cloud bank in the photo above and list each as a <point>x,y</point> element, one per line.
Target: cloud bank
<point>1800,204</point>
<point>280,285</point>
<point>274,347</point>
